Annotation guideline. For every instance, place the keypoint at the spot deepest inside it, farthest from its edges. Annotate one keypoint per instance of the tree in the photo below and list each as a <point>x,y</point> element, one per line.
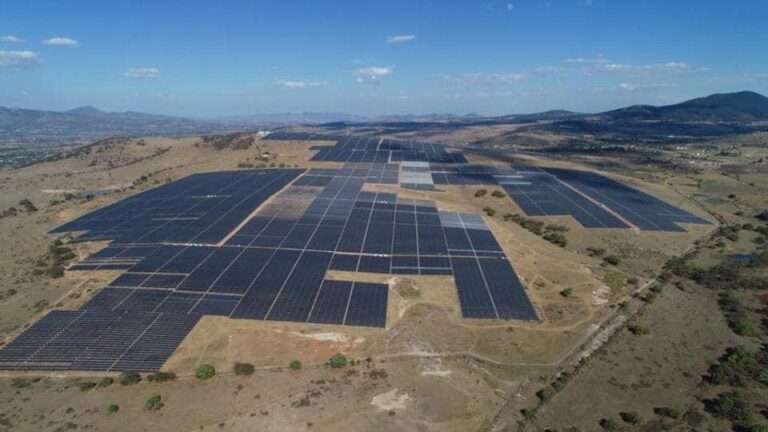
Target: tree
<point>295,365</point>
<point>113,408</point>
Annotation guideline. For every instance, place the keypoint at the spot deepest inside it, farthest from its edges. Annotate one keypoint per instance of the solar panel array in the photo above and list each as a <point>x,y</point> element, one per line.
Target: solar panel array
<point>201,208</point>
<point>198,247</point>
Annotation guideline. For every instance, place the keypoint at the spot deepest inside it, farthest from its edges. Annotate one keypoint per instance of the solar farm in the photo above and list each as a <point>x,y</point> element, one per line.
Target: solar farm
<point>260,244</point>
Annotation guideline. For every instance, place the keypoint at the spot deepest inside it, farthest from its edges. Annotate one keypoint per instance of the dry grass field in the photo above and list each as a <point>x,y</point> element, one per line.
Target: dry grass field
<point>429,370</point>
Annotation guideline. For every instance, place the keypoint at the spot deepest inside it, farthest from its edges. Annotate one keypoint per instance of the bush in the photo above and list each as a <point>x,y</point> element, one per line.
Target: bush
<point>161,377</point>
<point>556,238</point>
<point>638,330</point>
<point>498,194</point>
<point>736,367</point>
<point>595,252</point>
<point>489,211</point>
<point>528,413</point>
<point>546,393</point>
<point>56,271</point>
<point>480,193</point>
<point>758,428</point>
<point>612,260</point>
<point>609,424</point>
<point>129,378</point>
<point>154,403</point>
<point>732,406</point>
<point>244,369</point>
<point>205,372</point>
<point>567,292</point>
<point>666,412</point>
<point>106,382</point>
<point>630,417</point>
<point>85,386</point>
<point>338,360</point>
<point>113,409</point>
<point>295,365</point>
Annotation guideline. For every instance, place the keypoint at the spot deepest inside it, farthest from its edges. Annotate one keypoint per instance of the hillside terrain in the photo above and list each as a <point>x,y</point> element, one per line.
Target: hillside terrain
<point>637,330</point>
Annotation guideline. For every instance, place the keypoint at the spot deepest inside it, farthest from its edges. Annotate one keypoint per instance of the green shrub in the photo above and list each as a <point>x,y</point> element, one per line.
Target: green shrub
<point>161,377</point>
<point>567,292</point>
<point>244,369</point>
<point>129,378</point>
<point>732,406</point>
<point>480,193</point>
<point>205,372</point>
<point>612,260</point>
<point>113,409</point>
<point>498,194</point>
<point>295,365</point>
<point>154,403</point>
<point>736,367</point>
<point>666,412</point>
<point>338,360</point>
<point>528,413</point>
<point>759,428</point>
<point>106,382</point>
<point>489,211</point>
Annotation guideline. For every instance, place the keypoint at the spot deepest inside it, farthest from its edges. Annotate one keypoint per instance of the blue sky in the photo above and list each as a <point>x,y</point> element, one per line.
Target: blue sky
<point>229,57</point>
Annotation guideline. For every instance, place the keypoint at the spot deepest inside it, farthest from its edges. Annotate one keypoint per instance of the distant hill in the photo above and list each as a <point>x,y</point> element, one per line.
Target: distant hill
<point>83,124</point>
<point>739,107</point>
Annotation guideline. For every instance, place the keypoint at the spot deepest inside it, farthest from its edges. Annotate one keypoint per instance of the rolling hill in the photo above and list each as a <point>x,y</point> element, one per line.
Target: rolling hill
<point>744,106</point>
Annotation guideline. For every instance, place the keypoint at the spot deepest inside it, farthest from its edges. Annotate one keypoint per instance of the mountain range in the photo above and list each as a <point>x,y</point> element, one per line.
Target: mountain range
<point>87,123</point>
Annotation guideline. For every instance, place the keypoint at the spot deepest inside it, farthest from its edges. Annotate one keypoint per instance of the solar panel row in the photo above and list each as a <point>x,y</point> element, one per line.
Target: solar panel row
<point>642,210</point>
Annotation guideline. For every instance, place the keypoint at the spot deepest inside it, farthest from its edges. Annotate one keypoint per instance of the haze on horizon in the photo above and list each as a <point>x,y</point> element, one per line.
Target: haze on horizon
<point>224,58</point>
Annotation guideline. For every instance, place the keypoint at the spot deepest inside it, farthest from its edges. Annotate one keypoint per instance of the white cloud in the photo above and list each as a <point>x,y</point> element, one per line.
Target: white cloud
<point>396,39</point>
<point>297,84</point>
<point>143,73</point>
<point>587,60</point>
<point>18,59</point>
<point>61,41</point>
<point>373,74</point>
<point>11,39</point>
<point>647,68</point>
<point>645,86</point>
